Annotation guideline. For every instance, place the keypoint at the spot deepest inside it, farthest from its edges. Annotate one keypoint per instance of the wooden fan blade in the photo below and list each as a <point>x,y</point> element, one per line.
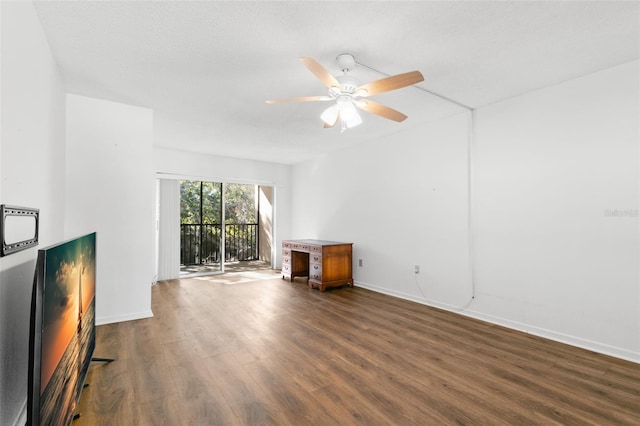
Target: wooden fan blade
<point>302,99</point>
<point>390,83</point>
<point>321,72</point>
<point>381,110</point>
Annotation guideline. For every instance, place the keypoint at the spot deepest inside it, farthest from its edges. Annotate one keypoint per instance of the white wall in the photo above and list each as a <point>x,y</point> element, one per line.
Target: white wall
<point>31,175</point>
<point>549,168</point>
<point>111,190</point>
<point>171,164</point>
<point>401,201</point>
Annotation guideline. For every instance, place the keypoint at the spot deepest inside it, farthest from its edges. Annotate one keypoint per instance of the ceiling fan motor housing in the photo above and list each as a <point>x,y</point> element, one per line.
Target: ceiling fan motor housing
<point>346,62</point>
<point>349,84</point>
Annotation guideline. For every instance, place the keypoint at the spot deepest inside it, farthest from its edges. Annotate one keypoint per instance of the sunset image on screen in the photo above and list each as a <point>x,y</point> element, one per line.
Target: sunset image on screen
<point>69,280</point>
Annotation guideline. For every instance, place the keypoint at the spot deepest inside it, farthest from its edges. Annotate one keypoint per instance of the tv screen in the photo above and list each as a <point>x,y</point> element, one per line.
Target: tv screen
<point>62,329</point>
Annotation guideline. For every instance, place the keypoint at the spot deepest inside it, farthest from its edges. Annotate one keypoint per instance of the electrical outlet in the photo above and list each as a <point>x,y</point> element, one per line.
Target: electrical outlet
<point>416,269</point>
<point>360,262</point>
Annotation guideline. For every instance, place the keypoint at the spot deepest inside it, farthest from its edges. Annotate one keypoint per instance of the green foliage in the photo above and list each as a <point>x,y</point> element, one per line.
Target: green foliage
<point>211,195</point>
<point>189,201</point>
<point>201,203</point>
<point>190,209</point>
<point>240,203</point>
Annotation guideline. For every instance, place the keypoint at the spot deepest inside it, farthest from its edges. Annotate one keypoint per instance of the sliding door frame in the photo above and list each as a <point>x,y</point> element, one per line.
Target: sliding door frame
<point>178,177</point>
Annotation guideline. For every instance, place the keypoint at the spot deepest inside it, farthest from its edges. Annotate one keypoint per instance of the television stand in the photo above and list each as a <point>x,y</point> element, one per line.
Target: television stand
<point>84,385</point>
<point>107,360</point>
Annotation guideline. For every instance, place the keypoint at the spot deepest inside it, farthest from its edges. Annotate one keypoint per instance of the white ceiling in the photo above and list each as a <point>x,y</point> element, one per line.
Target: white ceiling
<point>207,67</point>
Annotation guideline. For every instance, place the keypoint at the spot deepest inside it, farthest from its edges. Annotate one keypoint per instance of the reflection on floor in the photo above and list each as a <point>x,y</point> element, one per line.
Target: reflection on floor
<point>229,267</point>
<point>190,270</point>
<point>242,272</point>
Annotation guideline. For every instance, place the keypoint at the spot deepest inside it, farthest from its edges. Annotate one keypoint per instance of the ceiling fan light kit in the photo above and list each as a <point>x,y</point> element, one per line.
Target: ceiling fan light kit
<point>345,110</point>
<point>347,92</point>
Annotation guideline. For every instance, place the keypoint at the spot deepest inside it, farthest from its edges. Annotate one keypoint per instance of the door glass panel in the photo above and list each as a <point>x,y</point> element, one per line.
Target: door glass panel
<point>200,227</point>
<point>241,222</point>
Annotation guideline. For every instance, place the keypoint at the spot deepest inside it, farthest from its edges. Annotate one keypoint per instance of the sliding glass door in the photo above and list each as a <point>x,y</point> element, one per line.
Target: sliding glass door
<point>220,225</point>
<point>241,222</point>
<point>201,236</point>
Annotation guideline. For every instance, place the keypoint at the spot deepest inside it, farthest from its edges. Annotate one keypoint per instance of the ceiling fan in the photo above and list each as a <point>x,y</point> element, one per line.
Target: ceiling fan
<point>349,94</point>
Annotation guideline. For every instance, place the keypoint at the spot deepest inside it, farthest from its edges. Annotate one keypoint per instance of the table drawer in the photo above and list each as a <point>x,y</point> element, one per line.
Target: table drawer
<point>286,244</point>
<point>286,252</point>
<point>286,268</point>
<point>286,260</point>
<point>315,249</point>
<point>315,258</point>
<point>302,247</point>
<point>315,272</point>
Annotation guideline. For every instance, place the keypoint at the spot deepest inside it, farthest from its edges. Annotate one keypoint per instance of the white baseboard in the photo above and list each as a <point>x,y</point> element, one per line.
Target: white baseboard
<point>122,318</point>
<point>579,342</point>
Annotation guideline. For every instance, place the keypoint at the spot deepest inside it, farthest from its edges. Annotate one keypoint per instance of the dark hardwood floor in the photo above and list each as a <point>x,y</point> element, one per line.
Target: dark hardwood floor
<point>250,349</point>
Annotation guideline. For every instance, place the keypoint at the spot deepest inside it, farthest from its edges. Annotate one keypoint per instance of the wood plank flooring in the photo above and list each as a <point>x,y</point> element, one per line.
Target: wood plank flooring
<point>252,349</point>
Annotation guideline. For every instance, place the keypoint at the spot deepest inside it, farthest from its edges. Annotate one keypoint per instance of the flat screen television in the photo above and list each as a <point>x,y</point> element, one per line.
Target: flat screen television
<point>62,335</point>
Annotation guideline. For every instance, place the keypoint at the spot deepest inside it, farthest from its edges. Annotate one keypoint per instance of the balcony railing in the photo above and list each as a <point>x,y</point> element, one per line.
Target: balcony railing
<point>200,243</point>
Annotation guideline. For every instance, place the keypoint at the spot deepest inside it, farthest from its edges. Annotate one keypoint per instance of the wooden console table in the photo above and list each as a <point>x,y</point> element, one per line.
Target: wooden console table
<point>325,263</point>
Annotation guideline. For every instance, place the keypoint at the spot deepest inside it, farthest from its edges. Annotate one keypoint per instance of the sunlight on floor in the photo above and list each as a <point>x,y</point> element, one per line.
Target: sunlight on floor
<point>231,278</point>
